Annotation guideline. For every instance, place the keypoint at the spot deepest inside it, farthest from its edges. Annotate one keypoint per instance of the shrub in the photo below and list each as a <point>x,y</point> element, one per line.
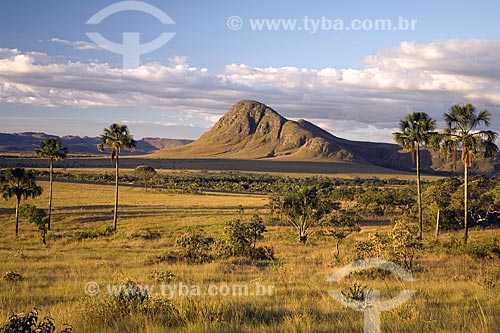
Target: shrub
<point>37,217</point>
<point>81,235</point>
<point>262,253</point>
<point>376,246</point>
<point>194,247</point>
<point>132,300</point>
<point>405,246</point>
<point>237,240</point>
<point>241,239</point>
<point>30,323</point>
<point>162,276</point>
<point>354,291</point>
<point>401,245</point>
<point>13,276</point>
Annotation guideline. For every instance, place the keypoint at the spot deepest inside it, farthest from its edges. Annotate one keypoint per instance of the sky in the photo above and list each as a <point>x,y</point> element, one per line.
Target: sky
<point>354,68</point>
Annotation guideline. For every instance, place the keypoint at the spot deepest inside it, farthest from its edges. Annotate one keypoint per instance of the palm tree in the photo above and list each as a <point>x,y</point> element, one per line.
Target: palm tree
<point>20,184</point>
<point>50,149</point>
<point>461,133</point>
<point>116,137</point>
<point>416,130</point>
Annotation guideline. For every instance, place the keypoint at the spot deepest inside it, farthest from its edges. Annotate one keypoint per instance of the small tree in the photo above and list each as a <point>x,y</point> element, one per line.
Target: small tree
<point>145,173</point>
<point>304,208</point>
<point>50,149</point>
<point>405,246</point>
<point>340,225</point>
<point>256,228</point>
<point>37,217</point>
<point>20,184</point>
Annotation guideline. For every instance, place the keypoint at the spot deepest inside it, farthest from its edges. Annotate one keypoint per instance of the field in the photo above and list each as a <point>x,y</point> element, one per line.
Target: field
<point>455,292</point>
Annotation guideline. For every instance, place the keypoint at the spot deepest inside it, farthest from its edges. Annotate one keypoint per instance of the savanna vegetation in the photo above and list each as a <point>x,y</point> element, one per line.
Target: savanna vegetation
<point>281,237</point>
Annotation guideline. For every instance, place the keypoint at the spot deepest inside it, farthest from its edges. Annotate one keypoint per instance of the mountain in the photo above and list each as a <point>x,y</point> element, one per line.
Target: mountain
<point>252,130</point>
<point>160,143</point>
<point>28,141</point>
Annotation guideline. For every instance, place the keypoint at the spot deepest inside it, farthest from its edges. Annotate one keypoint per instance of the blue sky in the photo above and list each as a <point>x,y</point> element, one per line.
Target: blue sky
<point>356,84</point>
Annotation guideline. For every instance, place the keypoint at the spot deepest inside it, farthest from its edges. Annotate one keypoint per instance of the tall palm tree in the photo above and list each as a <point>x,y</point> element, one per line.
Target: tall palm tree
<point>116,137</point>
<point>416,130</point>
<point>462,134</point>
<point>50,149</point>
<point>20,184</point>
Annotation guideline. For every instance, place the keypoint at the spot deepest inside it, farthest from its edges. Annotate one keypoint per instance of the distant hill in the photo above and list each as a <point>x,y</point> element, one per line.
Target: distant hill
<point>28,141</point>
<point>252,130</point>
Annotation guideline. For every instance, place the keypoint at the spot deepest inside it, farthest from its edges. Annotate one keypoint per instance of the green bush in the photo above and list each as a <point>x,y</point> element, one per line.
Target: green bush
<point>194,247</point>
<point>30,323</point>
<point>37,217</point>
<point>240,239</point>
<point>81,235</point>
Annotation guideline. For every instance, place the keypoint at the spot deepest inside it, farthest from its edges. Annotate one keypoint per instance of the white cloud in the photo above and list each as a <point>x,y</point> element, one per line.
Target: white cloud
<point>78,45</point>
<point>411,77</point>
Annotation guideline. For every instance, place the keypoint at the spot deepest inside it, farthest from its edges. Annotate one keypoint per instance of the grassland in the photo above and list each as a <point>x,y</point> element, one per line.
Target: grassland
<point>455,292</point>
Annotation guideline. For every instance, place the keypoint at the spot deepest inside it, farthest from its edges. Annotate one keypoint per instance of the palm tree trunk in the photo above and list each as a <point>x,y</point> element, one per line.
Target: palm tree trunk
<point>17,215</point>
<point>419,194</point>
<point>115,213</point>
<point>466,185</point>
<point>51,165</point>
<point>437,225</point>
